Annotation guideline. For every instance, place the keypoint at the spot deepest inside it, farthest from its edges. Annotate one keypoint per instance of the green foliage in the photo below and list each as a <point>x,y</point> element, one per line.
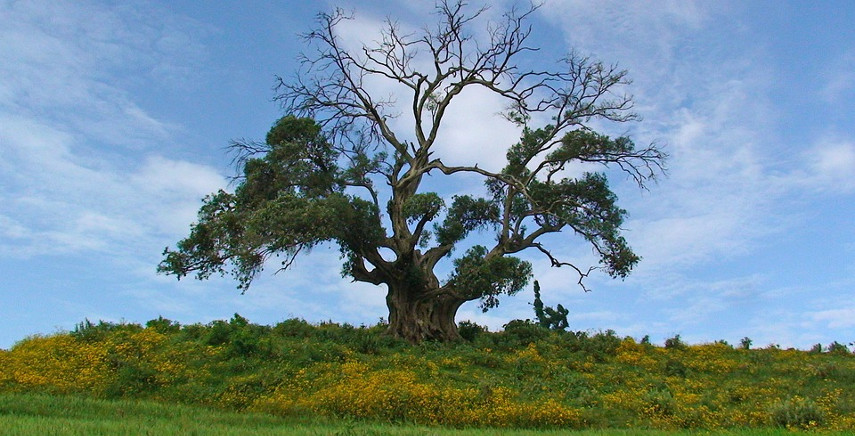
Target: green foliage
<point>555,319</point>
<point>675,368</point>
<point>837,347</point>
<point>675,342</point>
<point>38,414</point>
<point>519,333</point>
<point>470,331</point>
<point>422,207</point>
<point>31,414</point>
<point>294,328</point>
<point>797,413</point>
<point>600,346</point>
<point>133,378</point>
<point>465,215</point>
<point>163,325</point>
<point>91,332</point>
<point>289,200</point>
<point>477,275</point>
<point>585,204</point>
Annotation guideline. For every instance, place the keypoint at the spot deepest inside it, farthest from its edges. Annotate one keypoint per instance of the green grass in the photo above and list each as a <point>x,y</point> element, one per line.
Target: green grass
<point>41,414</point>
<point>525,377</point>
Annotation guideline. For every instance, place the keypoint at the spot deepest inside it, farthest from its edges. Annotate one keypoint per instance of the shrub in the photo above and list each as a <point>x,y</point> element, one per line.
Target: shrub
<point>797,413</point>
<point>132,378</point>
<point>547,317</point>
<point>658,402</point>
<point>837,348</point>
<point>469,330</point>
<point>675,368</point>
<point>521,333</point>
<point>89,332</point>
<point>218,333</point>
<point>600,345</point>
<point>294,328</point>
<point>163,325</point>
<point>526,376</point>
<point>675,343</point>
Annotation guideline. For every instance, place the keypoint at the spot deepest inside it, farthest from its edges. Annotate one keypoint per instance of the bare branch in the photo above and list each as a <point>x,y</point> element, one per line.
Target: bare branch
<point>556,263</point>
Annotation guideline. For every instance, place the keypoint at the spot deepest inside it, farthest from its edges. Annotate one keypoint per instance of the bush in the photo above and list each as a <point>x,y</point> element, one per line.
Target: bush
<point>89,332</point>
<point>837,348</point>
<point>218,333</point>
<point>675,368</point>
<point>601,345</point>
<point>163,325</point>
<point>469,330</point>
<point>797,413</point>
<point>519,333</point>
<point>294,328</point>
<point>675,343</point>
<point>132,379</point>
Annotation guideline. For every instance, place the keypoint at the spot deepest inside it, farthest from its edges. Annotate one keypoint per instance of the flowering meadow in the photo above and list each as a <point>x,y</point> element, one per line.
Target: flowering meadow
<point>523,377</point>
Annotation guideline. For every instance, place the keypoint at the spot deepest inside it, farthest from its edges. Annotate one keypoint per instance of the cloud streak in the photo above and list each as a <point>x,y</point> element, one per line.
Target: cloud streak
<point>65,119</point>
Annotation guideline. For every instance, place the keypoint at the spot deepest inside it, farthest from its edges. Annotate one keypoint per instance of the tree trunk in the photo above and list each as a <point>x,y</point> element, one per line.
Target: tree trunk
<point>416,317</point>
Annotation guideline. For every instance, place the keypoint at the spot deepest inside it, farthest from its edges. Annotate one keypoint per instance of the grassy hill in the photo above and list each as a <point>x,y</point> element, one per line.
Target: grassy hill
<point>523,377</point>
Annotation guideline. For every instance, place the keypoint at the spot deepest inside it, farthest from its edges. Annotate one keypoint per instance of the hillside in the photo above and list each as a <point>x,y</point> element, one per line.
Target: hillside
<point>523,377</point>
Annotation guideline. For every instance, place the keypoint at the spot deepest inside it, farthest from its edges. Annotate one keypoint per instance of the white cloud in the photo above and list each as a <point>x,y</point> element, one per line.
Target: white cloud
<point>71,65</point>
<point>12,229</point>
<point>832,165</point>
<point>835,318</point>
<point>839,78</point>
<point>69,130</point>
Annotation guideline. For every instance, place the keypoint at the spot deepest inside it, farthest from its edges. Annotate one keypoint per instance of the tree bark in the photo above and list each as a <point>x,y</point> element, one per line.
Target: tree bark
<point>417,316</point>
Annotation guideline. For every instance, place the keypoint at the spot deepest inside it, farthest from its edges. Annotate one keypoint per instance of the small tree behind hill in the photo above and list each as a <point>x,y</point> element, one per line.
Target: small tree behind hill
<point>547,317</point>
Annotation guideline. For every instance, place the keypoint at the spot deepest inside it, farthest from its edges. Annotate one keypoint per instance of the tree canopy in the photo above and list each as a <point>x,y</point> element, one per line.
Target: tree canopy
<point>335,169</point>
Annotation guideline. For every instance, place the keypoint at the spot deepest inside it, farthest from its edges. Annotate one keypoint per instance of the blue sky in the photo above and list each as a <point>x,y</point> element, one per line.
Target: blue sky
<point>114,117</point>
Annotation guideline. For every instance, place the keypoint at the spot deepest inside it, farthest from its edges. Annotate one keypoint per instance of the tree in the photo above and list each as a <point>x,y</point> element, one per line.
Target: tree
<point>547,317</point>
<point>335,170</point>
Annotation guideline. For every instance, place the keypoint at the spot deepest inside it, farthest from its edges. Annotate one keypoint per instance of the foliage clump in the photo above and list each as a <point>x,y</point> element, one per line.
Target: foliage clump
<point>555,319</point>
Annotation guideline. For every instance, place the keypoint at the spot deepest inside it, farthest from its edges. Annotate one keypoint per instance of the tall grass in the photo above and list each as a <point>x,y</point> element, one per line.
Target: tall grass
<point>523,377</point>
<point>42,414</point>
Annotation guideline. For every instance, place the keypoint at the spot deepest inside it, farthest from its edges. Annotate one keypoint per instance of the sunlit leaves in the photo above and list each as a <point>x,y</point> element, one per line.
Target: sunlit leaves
<point>422,207</point>
<point>466,214</point>
<point>477,275</point>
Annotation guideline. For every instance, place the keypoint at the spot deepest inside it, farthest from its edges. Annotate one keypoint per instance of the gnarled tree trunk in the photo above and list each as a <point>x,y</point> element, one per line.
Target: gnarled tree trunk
<point>416,315</point>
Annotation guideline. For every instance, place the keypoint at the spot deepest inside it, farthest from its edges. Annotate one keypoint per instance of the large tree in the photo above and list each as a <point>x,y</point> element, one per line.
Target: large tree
<point>336,169</point>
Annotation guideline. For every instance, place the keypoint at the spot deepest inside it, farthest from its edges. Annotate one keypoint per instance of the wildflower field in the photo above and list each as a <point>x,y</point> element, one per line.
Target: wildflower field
<point>525,377</point>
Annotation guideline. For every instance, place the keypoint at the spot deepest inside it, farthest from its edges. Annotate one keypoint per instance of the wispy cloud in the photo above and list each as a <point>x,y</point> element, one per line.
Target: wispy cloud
<point>835,318</point>
<point>840,79</point>
<point>831,166</point>
<point>67,114</point>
